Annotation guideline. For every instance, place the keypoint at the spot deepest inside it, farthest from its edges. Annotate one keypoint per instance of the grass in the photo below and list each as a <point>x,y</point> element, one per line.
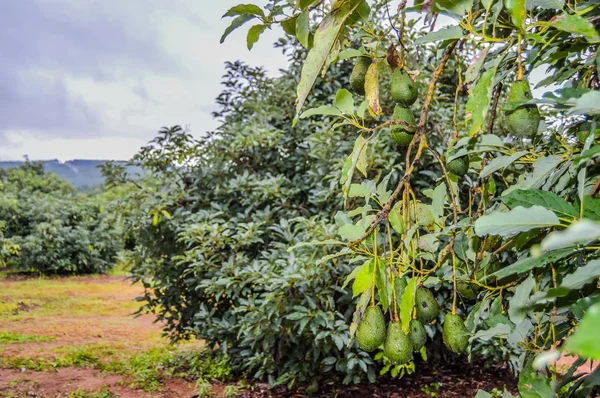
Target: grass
<point>14,338</point>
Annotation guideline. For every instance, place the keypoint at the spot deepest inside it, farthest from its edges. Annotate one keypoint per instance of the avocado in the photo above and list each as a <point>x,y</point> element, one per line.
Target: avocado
<point>399,133</point>
<point>427,307</point>
<point>467,290</point>
<point>357,78</point>
<point>417,334</point>
<point>370,333</point>
<point>492,243</point>
<point>459,166</point>
<point>455,335</point>
<point>404,89</point>
<point>523,121</point>
<point>397,347</point>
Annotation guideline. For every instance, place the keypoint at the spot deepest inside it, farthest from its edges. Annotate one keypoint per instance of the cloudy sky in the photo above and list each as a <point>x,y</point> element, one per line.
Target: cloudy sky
<point>95,79</point>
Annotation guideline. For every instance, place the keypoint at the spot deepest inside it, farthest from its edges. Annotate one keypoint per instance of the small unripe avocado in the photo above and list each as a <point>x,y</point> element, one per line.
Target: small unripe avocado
<point>357,78</point>
<point>467,290</point>
<point>397,347</point>
<point>523,121</point>
<point>417,334</point>
<point>399,133</point>
<point>404,89</point>
<point>427,307</point>
<point>370,333</point>
<point>455,335</point>
<point>459,166</point>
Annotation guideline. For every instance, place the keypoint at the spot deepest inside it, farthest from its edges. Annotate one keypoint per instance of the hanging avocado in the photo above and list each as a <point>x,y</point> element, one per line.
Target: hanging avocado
<point>523,121</point>
<point>455,335</point>
<point>427,307</point>
<point>467,290</point>
<point>417,334</point>
<point>397,346</point>
<point>357,78</point>
<point>404,89</point>
<point>459,166</point>
<point>370,333</point>
<point>400,134</point>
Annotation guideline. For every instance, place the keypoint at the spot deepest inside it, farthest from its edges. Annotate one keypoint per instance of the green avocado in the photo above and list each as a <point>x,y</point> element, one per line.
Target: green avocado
<point>370,333</point>
<point>417,334</point>
<point>399,133</point>
<point>523,121</point>
<point>459,166</point>
<point>467,290</point>
<point>397,347</point>
<point>404,89</point>
<point>427,307</point>
<point>357,78</point>
<point>455,335</point>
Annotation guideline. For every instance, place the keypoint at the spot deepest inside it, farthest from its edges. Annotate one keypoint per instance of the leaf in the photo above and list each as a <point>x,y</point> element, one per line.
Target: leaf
<point>236,23</point>
<point>479,101</point>
<point>447,33</point>
<point>382,284</point>
<point>395,218</point>
<point>537,197</point>
<point>438,200</point>
<point>303,29</point>
<point>517,220</point>
<point>534,385</point>
<point>542,168</point>
<point>581,232</point>
<point>584,342</point>
<point>358,190</point>
<point>344,101</point>
<point>549,4</point>
<point>353,274</point>
<point>500,330</point>
<point>364,279</point>
<point>520,299</point>
<point>578,279</point>
<point>501,162</point>
<point>324,40</point>
<point>325,110</point>
<point>518,12</point>
<point>575,24</point>
<point>372,89</point>
<point>591,208</point>
<point>253,35</point>
<point>350,232</point>
<point>475,66</point>
<point>529,263</point>
<point>587,104</point>
<point>244,9</point>
<point>407,304</point>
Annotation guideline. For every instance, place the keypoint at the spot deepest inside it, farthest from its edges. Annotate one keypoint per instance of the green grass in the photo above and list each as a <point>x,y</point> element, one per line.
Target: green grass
<point>14,338</point>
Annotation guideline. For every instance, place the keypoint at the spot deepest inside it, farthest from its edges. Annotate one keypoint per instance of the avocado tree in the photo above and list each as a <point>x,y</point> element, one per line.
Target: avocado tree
<point>500,244</point>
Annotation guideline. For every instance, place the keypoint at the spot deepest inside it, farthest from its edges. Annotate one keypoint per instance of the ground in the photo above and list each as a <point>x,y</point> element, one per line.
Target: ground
<point>76,338</point>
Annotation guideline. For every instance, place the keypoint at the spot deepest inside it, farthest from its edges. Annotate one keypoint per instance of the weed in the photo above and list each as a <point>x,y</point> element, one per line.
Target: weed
<point>12,338</point>
<point>431,389</point>
<point>204,389</point>
<point>231,391</point>
<point>103,392</point>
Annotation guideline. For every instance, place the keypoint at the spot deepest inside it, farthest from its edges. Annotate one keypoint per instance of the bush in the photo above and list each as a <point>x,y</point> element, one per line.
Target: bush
<point>47,227</point>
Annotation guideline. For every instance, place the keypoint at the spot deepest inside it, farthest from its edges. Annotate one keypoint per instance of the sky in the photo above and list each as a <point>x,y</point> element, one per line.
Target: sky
<point>96,79</point>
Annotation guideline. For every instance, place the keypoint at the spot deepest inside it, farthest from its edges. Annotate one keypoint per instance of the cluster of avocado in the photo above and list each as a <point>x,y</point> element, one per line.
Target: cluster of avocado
<point>397,345</point>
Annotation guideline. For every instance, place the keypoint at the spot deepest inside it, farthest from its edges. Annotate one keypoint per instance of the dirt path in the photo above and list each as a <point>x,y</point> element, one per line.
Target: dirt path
<point>45,319</point>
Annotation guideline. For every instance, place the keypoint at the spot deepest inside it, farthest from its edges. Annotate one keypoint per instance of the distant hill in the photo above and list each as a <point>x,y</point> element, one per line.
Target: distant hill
<point>81,173</point>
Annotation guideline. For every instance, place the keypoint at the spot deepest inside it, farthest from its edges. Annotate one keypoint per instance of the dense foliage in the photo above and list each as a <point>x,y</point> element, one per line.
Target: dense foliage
<point>511,229</point>
<point>47,227</point>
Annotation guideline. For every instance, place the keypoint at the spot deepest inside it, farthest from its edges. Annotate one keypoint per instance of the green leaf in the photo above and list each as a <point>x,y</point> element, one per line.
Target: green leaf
<point>580,232</point>
<point>576,25</point>
<point>479,102</point>
<point>395,218</point>
<point>382,284</point>
<point>520,299</point>
<point>578,279</point>
<point>325,38</point>
<point>358,190</point>
<point>591,208</point>
<point>244,9</point>
<point>447,33</point>
<point>353,274</point>
<point>475,66</point>
<point>304,4</point>
<point>325,110</point>
<point>236,23</point>
<point>501,162</point>
<point>317,243</point>
<point>407,304</point>
<point>517,220</point>
<point>328,257</point>
<point>499,330</point>
<point>303,29</point>
<point>584,342</point>
<point>537,197</point>
<point>350,232</point>
<point>253,35</point>
<point>518,12</point>
<point>534,385</point>
<point>529,263</point>
<point>542,169</point>
<point>587,104</point>
<point>344,101</point>
<point>364,279</point>
<point>372,89</point>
